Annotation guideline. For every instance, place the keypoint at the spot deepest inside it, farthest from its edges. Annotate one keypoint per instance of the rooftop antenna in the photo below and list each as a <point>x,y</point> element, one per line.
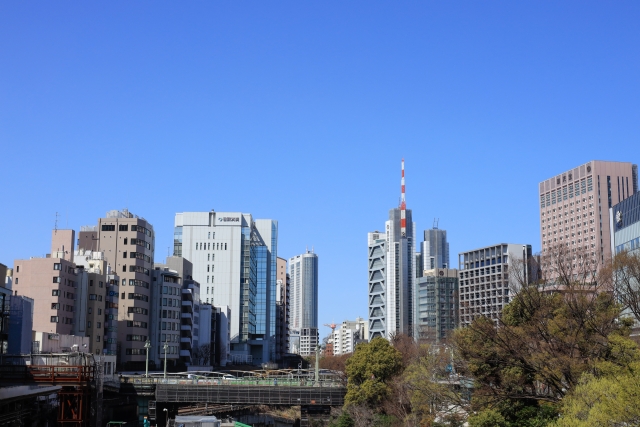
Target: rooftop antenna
<point>55,226</point>
<point>403,206</point>
<point>435,223</point>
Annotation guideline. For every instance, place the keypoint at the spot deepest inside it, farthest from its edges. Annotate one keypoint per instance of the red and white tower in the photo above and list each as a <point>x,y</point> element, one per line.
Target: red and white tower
<point>403,206</point>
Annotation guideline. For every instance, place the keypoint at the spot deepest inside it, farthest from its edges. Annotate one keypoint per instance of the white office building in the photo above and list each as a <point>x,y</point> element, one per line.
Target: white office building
<point>348,335</point>
<point>303,273</point>
<point>234,260</point>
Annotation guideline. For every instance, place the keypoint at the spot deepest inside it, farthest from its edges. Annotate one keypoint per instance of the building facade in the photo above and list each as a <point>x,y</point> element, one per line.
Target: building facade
<point>128,244</point>
<point>574,206</point>
<point>52,284</point>
<point>234,260</point>
<point>625,237</point>
<point>489,276</point>
<point>303,273</point>
<point>190,308</point>
<point>392,272</point>
<point>165,318</point>
<point>282,309</point>
<point>434,251</point>
<point>437,304</point>
<point>91,319</point>
<point>349,334</point>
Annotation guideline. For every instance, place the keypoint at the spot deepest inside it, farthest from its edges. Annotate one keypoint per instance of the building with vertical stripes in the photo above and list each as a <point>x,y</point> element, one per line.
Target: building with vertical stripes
<point>392,272</point>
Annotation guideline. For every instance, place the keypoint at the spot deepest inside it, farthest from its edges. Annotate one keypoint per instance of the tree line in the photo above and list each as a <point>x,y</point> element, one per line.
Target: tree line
<point>562,353</point>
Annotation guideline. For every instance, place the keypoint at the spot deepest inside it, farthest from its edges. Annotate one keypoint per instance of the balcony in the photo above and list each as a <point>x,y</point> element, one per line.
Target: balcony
<point>185,353</point>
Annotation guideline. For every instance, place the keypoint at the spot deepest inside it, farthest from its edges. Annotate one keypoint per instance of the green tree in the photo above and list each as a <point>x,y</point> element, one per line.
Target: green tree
<point>368,370</point>
<point>607,396</point>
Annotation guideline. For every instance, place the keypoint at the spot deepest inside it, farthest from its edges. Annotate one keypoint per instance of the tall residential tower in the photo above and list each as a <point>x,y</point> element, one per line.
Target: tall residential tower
<point>303,272</point>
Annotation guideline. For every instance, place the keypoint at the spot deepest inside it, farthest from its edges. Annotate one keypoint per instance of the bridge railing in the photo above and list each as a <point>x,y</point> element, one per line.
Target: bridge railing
<point>260,382</point>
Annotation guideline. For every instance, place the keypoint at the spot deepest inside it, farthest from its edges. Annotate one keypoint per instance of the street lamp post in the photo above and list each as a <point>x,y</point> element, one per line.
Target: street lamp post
<point>147,346</point>
<point>166,346</point>
<point>167,418</point>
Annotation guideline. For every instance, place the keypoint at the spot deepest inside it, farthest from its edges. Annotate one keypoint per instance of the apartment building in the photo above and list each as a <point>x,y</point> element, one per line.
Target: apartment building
<point>165,318</point>
<point>282,309</point>
<point>303,273</point>
<point>349,334</point>
<point>52,283</point>
<point>128,243</point>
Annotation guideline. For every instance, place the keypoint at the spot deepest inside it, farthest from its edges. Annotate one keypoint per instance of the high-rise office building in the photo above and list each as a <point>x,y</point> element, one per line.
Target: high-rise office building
<point>128,244</point>
<point>434,251</point>
<point>234,260</point>
<point>574,206</point>
<point>392,271</point>
<point>489,276</point>
<point>303,273</point>
<point>437,303</point>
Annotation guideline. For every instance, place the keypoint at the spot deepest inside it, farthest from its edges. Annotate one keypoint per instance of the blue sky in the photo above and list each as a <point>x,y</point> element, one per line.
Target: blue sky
<point>302,111</point>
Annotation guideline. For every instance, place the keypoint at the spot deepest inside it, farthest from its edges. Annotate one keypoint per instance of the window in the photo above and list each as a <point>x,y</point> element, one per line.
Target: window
<point>55,293</point>
<point>99,325</point>
<point>93,297</point>
<point>124,254</point>
<point>99,312</point>
<point>100,284</point>
<point>17,269</point>
<point>89,324</point>
<point>57,266</point>
<point>90,310</point>
<point>108,227</point>
<point>55,306</point>
<point>17,280</point>
<point>125,240</point>
<point>98,337</point>
<point>123,227</point>
<point>124,268</point>
<point>90,282</point>
<point>54,319</point>
<point>56,279</point>
<point>225,246</point>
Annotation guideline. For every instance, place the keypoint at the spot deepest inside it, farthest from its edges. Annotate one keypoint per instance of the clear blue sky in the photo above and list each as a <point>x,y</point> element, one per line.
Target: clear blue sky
<point>301,112</point>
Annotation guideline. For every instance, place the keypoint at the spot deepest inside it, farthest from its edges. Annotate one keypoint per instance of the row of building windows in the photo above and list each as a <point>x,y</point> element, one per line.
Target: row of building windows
<point>136,269</point>
<point>65,320</point>
<point>136,337</point>
<point>170,326</point>
<point>138,297</point>
<point>566,192</point>
<point>170,302</point>
<point>138,255</point>
<point>631,245</point>
<point>140,283</point>
<point>57,293</point>
<point>201,246</point>
<point>136,324</point>
<point>125,227</point>
<point>138,310</point>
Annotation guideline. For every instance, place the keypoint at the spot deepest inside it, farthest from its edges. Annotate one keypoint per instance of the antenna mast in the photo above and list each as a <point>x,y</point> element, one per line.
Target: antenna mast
<point>403,206</point>
<point>55,226</point>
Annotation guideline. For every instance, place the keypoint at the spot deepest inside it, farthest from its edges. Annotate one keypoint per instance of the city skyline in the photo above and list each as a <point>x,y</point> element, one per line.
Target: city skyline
<point>482,101</point>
